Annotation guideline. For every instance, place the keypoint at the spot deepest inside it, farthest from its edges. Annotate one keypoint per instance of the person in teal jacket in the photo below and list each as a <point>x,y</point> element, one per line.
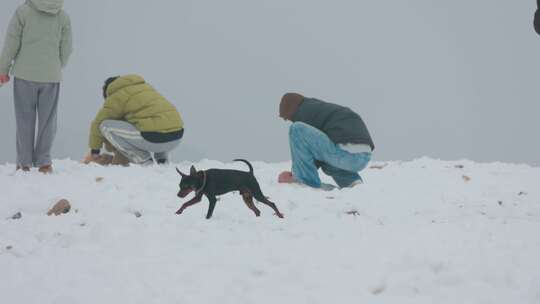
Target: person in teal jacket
<point>37,47</point>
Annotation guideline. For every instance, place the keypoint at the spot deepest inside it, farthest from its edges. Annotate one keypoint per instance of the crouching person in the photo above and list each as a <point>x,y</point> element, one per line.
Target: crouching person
<point>327,136</point>
<point>136,123</point>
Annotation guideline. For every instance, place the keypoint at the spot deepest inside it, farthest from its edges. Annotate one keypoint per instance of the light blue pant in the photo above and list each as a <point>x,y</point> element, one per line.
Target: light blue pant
<point>310,146</point>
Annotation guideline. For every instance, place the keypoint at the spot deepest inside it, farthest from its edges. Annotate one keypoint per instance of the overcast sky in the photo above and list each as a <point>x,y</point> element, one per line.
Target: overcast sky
<point>445,79</point>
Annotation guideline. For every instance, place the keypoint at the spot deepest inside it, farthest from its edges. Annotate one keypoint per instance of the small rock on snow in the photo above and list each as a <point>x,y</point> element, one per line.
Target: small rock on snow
<point>63,206</point>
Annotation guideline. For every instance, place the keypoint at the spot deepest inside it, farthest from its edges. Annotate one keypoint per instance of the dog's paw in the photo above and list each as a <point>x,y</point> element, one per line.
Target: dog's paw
<point>179,211</point>
<point>280,215</point>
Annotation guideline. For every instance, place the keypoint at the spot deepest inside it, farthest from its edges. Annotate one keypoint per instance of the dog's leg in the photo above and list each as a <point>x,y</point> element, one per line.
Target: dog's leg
<point>248,199</point>
<point>212,200</point>
<point>192,202</point>
<point>257,193</point>
<point>261,198</point>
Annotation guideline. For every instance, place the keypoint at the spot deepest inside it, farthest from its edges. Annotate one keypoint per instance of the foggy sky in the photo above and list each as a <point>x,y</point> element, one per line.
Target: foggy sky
<point>445,79</point>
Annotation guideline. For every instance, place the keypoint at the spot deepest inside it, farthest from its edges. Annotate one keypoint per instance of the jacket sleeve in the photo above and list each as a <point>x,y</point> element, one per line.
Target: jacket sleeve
<point>12,43</point>
<point>112,109</point>
<point>66,44</point>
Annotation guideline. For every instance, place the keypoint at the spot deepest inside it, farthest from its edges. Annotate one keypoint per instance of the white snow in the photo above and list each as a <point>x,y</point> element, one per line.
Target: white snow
<point>423,234</point>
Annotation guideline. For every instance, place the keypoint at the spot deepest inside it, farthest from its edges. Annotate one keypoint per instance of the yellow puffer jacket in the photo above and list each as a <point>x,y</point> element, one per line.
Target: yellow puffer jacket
<point>131,99</point>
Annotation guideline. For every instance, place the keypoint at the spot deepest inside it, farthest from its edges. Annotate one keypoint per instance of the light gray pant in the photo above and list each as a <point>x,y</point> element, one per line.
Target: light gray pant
<point>129,141</point>
<point>35,100</point>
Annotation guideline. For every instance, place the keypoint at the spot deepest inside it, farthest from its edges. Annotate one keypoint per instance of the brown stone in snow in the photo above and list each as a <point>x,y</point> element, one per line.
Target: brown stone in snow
<point>60,208</point>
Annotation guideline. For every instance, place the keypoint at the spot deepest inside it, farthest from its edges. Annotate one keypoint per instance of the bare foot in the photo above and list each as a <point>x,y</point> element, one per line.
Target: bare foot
<point>286,177</point>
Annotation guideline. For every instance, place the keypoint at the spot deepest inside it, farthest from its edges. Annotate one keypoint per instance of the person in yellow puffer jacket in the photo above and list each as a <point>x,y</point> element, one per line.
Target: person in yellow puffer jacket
<point>135,122</point>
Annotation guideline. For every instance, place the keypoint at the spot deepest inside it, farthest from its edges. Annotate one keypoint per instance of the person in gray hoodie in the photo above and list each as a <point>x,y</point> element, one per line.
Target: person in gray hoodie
<point>327,136</point>
<point>37,47</point>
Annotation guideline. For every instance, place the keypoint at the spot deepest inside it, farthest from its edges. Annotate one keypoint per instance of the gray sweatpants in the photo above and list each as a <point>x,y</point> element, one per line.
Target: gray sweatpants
<point>35,100</point>
<point>128,140</point>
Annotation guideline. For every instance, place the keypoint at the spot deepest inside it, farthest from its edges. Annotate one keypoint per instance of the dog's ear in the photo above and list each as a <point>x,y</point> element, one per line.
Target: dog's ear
<point>193,171</point>
<point>180,172</point>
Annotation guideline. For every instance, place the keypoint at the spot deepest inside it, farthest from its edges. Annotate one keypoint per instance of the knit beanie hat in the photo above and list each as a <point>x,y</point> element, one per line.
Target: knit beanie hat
<point>289,105</point>
<point>106,85</point>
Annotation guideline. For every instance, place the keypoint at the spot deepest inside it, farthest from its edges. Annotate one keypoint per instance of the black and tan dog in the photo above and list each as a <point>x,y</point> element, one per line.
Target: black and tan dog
<point>215,182</point>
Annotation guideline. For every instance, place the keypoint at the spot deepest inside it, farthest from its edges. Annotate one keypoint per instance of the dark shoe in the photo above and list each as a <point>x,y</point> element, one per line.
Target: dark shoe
<point>47,169</point>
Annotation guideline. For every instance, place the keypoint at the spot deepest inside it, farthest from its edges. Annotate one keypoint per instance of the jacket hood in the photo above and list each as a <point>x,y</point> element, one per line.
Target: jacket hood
<point>47,6</point>
<point>289,105</point>
<point>123,82</point>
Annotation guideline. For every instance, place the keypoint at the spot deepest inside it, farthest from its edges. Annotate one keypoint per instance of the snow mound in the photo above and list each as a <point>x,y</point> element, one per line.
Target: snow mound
<point>425,231</point>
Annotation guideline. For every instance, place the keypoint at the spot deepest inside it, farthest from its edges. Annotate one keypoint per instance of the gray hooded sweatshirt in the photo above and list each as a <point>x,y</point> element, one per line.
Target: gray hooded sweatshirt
<point>38,42</point>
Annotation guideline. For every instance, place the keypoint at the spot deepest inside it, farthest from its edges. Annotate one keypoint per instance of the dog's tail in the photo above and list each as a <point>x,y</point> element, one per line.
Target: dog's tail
<point>247,163</point>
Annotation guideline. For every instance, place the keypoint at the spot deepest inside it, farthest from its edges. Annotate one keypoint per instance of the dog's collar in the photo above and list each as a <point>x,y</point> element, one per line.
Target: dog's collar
<point>203,185</point>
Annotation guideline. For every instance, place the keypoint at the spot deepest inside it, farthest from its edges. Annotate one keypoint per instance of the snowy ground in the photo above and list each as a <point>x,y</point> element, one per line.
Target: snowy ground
<point>423,234</point>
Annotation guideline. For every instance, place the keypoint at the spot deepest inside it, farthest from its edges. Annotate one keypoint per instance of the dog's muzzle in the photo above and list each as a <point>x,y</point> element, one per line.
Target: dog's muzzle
<point>183,193</point>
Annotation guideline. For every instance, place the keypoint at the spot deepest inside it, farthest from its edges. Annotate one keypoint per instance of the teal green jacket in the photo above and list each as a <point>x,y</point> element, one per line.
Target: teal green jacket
<point>38,42</point>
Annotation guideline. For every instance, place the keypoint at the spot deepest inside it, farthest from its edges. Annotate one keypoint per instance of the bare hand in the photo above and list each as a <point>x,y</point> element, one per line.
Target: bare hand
<point>4,79</point>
